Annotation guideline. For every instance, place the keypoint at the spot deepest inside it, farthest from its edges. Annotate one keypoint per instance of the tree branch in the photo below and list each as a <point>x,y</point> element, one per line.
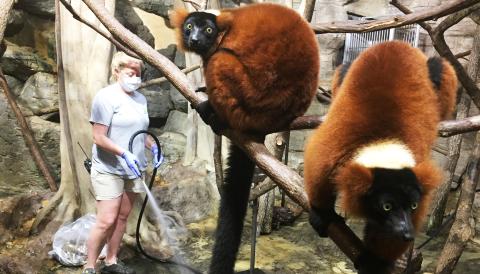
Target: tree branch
<point>445,128</point>
<point>406,10</point>
<point>395,21</point>
<point>30,141</point>
<point>441,46</point>
<point>462,54</point>
<point>195,5</point>
<point>160,80</point>
<point>454,18</point>
<point>450,128</point>
<point>107,35</point>
<point>309,9</point>
<point>262,188</point>
<point>218,161</point>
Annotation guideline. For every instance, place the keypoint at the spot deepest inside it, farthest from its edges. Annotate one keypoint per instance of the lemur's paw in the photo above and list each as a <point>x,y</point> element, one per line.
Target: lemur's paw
<point>369,263</point>
<point>209,117</point>
<point>216,124</point>
<point>205,110</point>
<point>201,89</point>
<point>321,219</point>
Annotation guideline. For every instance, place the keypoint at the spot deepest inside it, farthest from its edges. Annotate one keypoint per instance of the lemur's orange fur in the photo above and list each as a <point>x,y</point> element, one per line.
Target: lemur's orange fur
<point>270,75</point>
<point>386,94</point>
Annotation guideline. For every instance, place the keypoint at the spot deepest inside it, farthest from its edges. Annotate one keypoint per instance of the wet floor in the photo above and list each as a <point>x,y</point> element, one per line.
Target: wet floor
<point>292,249</point>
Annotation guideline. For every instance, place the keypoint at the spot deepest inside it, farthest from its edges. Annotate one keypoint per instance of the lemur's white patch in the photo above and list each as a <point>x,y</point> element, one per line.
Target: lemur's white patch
<point>391,154</point>
<point>212,11</point>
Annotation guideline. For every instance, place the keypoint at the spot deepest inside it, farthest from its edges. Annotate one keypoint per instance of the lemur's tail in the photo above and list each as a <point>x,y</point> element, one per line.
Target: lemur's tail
<point>444,79</point>
<point>233,206</point>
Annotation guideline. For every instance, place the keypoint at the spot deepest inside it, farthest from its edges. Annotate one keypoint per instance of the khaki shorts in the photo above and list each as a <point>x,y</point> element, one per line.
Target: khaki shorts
<point>109,186</point>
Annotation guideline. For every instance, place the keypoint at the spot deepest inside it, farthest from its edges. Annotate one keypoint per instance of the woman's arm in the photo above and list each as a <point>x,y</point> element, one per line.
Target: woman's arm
<point>101,139</point>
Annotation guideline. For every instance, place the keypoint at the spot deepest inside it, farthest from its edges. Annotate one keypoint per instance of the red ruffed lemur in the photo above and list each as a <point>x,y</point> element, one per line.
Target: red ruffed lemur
<point>373,150</point>
<point>261,65</point>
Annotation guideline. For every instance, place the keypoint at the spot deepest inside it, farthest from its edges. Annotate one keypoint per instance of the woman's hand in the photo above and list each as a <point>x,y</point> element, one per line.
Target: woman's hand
<point>132,162</point>
<point>156,161</point>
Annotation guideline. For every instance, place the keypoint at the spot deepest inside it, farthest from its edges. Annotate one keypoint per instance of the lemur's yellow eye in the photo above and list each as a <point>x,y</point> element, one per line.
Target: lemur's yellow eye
<point>414,206</point>
<point>209,30</point>
<point>387,206</point>
<point>189,26</point>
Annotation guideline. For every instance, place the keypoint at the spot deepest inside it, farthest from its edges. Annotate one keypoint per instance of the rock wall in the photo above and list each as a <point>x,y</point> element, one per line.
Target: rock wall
<point>19,173</point>
<point>29,65</point>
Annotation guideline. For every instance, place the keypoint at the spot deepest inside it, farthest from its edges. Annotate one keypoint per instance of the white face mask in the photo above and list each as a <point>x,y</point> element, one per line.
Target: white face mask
<point>130,84</point>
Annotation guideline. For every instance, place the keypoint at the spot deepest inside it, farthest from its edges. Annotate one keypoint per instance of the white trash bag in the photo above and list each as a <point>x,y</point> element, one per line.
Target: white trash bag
<point>70,242</point>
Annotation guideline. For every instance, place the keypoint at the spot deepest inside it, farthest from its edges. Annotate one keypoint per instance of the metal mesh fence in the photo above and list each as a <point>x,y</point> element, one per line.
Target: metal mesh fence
<point>355,43</point>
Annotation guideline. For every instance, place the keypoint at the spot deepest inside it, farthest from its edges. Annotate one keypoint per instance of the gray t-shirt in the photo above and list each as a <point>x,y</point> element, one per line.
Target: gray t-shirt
<point>124,115</point>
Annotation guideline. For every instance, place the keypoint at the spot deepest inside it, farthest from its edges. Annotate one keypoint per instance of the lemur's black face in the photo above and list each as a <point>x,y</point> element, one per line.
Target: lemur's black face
<point>391,200</point>
<point>200,32</point>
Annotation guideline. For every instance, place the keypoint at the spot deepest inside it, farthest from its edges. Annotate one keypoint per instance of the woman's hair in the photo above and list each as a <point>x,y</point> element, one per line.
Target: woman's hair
<point>121,60</point>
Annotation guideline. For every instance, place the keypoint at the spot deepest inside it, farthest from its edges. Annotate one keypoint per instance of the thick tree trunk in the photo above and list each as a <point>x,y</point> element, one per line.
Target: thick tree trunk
<point>87,57</point>
<point>66,136</point>
<point>5,7</point>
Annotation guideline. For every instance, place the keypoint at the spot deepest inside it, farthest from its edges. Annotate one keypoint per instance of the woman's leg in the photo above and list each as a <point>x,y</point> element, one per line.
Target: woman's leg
<point>115,238</point>
<point>107,213</point>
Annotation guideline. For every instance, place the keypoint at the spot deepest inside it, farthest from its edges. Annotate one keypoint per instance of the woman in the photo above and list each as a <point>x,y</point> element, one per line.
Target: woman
<point>118,111</point>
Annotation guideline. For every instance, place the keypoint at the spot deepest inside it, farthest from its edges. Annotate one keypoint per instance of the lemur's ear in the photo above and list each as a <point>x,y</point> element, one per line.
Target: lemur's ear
<point>354,182</point>
<point>177,17</point>
<point>444,80</point>
<point>338,77</point>
<point>224,20</point>
<point>428,175</point>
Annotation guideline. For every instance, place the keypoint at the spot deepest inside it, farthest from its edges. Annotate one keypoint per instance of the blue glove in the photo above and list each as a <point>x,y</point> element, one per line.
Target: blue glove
<point>156,162</point>
<point>132,163</point>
